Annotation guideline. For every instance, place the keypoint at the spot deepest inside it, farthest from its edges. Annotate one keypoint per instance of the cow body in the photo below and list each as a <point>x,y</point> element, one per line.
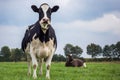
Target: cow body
<point>74,62</point>
<point>40,41</point>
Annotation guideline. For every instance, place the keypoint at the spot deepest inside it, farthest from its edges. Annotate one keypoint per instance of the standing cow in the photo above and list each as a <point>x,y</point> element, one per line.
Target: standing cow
<point>40,41</point>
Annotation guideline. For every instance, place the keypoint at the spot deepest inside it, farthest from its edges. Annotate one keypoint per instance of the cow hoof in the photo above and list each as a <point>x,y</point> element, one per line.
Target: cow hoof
<point>28,73</point>
<point>41,74</point>
<point>34,77</point>
<point>48,78</point>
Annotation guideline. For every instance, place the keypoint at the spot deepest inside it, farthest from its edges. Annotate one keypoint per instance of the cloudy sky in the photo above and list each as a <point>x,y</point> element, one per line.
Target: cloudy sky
<point>79,22</point>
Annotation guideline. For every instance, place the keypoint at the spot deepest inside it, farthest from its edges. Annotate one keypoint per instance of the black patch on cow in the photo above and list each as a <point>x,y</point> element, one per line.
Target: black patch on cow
<point>49,13</point>
<point>40,11</point>
<point>43,37</point>
<point>36,28</point>
<point>41,14</point>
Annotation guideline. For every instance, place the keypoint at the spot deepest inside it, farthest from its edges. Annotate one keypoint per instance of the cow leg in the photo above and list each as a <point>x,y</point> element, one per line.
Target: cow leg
<point>40,64</point>
<point>29,64</point>
<point>84,64</point>
<point>34,62</point>
<point>48,63</point>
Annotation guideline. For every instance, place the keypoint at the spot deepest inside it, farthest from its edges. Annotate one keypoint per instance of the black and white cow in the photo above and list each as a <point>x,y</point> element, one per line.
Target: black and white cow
<point>40,41</point>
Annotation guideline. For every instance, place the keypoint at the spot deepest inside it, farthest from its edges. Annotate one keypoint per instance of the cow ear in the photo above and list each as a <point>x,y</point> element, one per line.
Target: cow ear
<point>34,8</point>
<point>55,8</point>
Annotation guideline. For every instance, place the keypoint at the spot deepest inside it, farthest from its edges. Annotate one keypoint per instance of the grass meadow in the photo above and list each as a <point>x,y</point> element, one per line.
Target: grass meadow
<point>93,71</point>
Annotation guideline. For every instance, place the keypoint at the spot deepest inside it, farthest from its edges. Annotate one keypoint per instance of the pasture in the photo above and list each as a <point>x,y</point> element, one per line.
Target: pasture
<point>93,71</point>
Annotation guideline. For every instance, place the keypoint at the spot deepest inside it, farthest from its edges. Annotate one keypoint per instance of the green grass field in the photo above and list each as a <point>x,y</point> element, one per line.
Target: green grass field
<point>94,71</point>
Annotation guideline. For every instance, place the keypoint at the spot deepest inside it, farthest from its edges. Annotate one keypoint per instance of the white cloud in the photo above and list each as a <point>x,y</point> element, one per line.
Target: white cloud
<point>107,23</point>
<point>11,36</point>
<point>20,12</point>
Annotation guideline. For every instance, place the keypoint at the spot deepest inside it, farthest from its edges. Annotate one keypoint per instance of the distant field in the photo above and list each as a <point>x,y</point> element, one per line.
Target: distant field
<point>94,71</point>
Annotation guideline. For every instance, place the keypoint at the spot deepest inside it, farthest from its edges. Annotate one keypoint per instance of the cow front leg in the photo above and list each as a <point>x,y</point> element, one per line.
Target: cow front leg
<point>34,61</point>
<point>35,64</point>
<point>48,64</point>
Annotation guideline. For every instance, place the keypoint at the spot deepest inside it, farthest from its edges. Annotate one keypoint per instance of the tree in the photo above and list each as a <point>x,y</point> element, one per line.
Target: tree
<point>58,57</point>
<point>94,50</point>
<point>5,51</point>
<point>16,54</point>
<point>76,51</point>
<point>68,49</point>
<point>107,51</point>
<point>12,57</point>
<point>118,49</point>
<point>111,51</point>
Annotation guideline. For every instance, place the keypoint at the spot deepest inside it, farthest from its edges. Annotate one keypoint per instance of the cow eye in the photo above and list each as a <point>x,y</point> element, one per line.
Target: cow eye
<point>40,11</point>
<point>49,12</point>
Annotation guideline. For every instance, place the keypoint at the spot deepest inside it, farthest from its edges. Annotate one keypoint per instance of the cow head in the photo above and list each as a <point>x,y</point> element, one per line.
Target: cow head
<point>69,57</point>
<point>44,14</point>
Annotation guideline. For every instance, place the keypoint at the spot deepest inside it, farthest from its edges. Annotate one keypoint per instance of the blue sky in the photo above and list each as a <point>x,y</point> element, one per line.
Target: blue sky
<point>79,22</point>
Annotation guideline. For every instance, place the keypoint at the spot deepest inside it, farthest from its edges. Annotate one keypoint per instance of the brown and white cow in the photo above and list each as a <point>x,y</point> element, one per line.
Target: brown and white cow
<point>40,41</point>
<point>70,62</point>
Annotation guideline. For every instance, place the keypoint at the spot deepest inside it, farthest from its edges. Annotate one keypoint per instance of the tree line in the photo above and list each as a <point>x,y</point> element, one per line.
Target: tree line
<point>108,52</point>
<point>16,54</point>
<point>95,50</point>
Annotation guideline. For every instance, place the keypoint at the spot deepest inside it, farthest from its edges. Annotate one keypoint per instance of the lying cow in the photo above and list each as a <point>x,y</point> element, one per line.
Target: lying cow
<point>40,41</point>
<point>74,62</point>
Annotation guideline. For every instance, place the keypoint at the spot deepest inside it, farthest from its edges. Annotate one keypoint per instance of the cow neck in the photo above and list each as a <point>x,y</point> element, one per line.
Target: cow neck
<point>44,37</point>
<point>44,31</point>
<point>70,59</point>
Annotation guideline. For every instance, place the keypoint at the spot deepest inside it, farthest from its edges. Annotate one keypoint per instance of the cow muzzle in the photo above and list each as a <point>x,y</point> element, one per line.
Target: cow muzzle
<point>45,23</point>
<point>45,20</point>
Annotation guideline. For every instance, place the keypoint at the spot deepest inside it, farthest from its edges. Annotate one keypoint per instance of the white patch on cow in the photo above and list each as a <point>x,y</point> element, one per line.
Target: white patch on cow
<point>45,7</point>
<point>44,26</point>
<point>70,54</point>
<point>48,63</point>
<point>27,50</point>
<point>47,74</point>
<point>38,49</point>
<point>43,49</point>
<point>84,64</point>
<point>34,60</point>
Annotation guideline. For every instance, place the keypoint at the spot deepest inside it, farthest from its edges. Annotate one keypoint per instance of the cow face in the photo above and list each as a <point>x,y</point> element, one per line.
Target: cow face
<point>69,57</point>
<point>44,14</point>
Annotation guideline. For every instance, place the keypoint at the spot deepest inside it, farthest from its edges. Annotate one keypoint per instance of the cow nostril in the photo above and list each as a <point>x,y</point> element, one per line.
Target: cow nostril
<point>45,20</point>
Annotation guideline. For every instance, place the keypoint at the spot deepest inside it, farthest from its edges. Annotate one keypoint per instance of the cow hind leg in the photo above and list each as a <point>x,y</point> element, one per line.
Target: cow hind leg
<point>40,64</point>
<point>29,64</point>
